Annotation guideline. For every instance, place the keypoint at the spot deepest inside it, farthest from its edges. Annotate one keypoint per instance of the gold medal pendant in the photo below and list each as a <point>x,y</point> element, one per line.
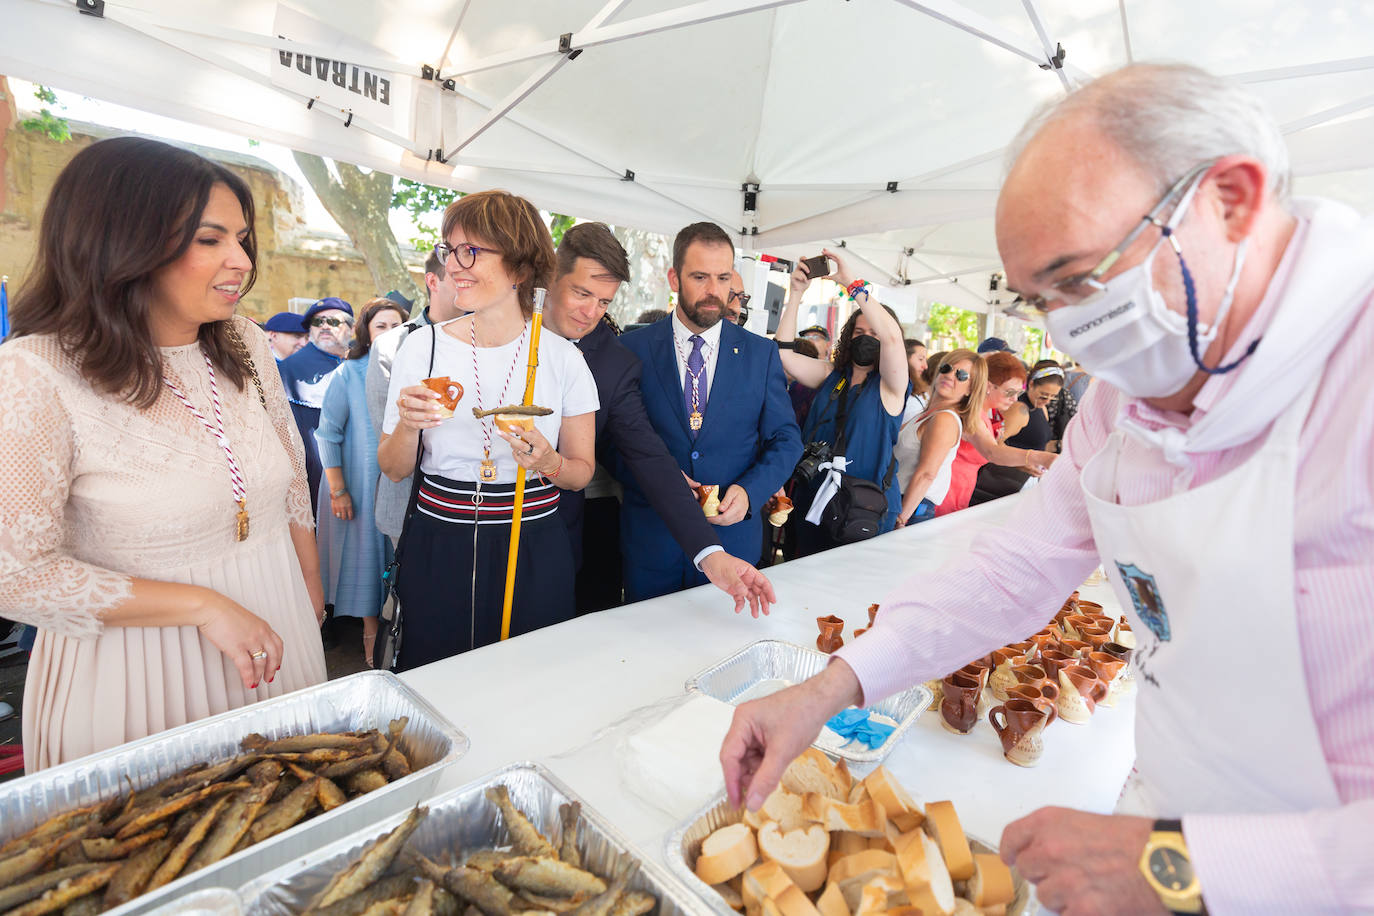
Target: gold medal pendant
<point>488,469</point>
<point>241,523</point>
<point>695,420</point>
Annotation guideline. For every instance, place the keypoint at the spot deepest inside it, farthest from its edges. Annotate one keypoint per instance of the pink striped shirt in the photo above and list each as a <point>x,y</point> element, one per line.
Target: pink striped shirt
<point>1016,577</point>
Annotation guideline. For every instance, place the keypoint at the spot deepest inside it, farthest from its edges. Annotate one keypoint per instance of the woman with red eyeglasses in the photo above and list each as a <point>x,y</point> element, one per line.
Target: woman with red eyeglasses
<point>1006,381</point>
<point>928,443</point>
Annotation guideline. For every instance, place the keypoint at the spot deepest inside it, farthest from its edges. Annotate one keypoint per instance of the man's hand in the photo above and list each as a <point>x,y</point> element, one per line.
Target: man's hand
<point>734,505</point>
<point>768,734</point>
<point>1082,864</point>
<point>740,581</point>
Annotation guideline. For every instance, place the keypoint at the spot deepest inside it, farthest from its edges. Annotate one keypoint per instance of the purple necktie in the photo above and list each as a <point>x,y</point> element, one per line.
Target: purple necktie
<point>695,381</point>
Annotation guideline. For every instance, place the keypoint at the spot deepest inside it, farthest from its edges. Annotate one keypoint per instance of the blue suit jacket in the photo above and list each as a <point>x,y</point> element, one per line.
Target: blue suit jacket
<point>624,433</point>
<point>749,436</point>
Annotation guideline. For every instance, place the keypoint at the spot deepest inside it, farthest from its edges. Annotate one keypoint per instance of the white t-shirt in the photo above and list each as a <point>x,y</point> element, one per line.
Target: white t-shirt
<point>914,405</point>
<point>454,449</point>
<point>908,452</point>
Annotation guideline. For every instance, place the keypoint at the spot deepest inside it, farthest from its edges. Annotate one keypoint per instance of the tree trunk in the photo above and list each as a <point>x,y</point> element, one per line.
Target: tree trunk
<point>360,203</point>
<point>650,257</point>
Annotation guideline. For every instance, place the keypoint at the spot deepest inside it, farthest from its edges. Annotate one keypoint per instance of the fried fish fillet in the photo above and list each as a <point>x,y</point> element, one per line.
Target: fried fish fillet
<point>548,877</point>
<point>527,840</point>
<point>374,862</point>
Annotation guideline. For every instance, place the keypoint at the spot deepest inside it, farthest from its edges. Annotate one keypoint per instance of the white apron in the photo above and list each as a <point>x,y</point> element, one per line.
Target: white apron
<point>1223,721</point>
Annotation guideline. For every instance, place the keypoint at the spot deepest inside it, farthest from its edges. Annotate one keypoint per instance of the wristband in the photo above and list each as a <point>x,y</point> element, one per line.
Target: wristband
<point>858,286</point>
<point>335,494</point>
<point>558,470</point>
<point>786,344</point>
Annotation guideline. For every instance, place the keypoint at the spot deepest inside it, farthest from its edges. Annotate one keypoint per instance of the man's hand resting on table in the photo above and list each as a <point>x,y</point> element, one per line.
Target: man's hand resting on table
<point>1083,864</point>
<point>740,581</point>
<point>768,734</point>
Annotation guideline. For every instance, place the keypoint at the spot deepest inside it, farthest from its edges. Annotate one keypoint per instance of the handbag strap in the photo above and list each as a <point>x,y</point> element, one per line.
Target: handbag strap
<point>841,433</point>
<point>416,475</point>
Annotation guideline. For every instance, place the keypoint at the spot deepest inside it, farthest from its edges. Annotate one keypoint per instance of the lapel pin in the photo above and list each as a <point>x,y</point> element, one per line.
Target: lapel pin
<point>736,349</point>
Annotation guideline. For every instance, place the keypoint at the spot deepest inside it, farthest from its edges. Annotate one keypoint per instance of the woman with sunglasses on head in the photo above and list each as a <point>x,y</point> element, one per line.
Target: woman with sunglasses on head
<point>980,445</point>
<point>927,445</point>
<point>864,386</point>
<point>454,548</point>
<point>353,552</point>
<point>154,522</point>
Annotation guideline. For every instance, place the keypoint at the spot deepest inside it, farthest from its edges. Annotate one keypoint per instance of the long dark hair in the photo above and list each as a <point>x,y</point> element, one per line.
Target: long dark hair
<point>120,211</point>
<point>362,331</point>
<point>839,357</point>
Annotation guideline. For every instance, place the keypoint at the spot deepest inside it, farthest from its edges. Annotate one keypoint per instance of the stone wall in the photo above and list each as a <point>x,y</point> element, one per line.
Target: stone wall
<point>293,261</point>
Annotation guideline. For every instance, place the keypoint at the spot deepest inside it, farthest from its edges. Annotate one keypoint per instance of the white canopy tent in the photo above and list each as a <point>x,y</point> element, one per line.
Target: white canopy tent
<point>877,123</point>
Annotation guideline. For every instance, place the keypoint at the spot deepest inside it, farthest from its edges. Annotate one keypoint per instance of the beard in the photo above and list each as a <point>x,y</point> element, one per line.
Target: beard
<point>327,342</point>
<point>698,315</point>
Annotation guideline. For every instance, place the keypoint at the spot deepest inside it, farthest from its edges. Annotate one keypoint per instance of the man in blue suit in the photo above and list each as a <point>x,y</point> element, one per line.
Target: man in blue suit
<point>716,396</point>
<point>591,267</point>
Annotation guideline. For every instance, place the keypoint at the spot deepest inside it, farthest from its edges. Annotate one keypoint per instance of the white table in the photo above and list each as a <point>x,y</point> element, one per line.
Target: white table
<point>543,694</point>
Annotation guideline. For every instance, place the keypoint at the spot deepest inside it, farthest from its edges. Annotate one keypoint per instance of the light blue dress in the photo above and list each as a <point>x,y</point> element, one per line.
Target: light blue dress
<point>352,553</point>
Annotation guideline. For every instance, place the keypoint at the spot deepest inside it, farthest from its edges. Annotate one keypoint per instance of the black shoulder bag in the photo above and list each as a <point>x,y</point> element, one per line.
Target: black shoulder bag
<point>855,512</point>
<point>386,654</point>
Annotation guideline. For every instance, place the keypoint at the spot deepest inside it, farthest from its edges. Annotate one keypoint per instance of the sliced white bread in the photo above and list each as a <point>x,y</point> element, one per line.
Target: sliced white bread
<point>783,808</point>
<point>923,870</point>
<point>991,883</point>
<point>801,853</point>
<point>963,908</point>
<point>872,900</point>
<point>866,818</point>
<point>943,824</point>
<point>831,902</point>
<point>854,871</point>
<point>761,881</point>
<point>845,780</point>
<point>792,902</point>
<point>733,899</point>
<point>844,843</point>
<point>726,853</point>
<point>813,772</point>
<point>884,788</point>
<point>905,823</point>
<point>857,793</point>
<point>998,910</point>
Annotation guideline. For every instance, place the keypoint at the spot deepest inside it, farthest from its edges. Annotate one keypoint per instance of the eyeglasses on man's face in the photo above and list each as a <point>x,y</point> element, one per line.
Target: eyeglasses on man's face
<point>464,254</point>
<point>320,321</point>
<point>1077,289</point>
<point>960,374</point>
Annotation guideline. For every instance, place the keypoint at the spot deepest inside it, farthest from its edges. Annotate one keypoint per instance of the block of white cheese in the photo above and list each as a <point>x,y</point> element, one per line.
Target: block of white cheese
<point>675,762</point>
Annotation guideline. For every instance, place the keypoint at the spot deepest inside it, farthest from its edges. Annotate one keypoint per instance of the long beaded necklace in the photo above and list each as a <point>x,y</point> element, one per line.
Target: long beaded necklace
<point>695,419</point>
<point>236,480</point>
<point>488,468</point>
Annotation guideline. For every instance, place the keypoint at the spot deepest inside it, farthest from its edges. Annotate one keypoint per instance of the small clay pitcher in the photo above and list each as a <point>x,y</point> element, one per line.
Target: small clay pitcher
<point>1124,634</point>
<point>1109,669</point>
<point>1032,675</point>
<point>1019,724</point>
<point>1054,659</point>
<point>979,670</point>
<point>1001,677</point>
<point>959,707</point>
<point>1091,608</point>
<point>1076,647</point>
<point>1080,690</point>
<point>1046,697</point>
<point>832,630</point>
<point>1117,650</point>
<point>1045,639</point>
<point>1097,640</point>
<point>1071,625</point>
<point>872,616</point>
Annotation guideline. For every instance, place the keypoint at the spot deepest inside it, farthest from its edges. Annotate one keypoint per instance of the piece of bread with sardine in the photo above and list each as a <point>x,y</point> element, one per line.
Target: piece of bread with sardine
<point>943,824</point>
<point>801,853</point>
<point>813,772</point>
<point>726,853</point>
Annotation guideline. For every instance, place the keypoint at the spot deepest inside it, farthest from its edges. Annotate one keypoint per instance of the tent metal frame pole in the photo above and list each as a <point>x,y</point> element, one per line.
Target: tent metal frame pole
<point>532,82</point>
<point>1322,68</point>
<point>1050,45</point>
<point>979,26</point>
<point>1125,31</point>
<point>693,14</point>
<point>1330,114</point>
<point>453,35</point>
<point>950,274</point>
<point>594,158</point>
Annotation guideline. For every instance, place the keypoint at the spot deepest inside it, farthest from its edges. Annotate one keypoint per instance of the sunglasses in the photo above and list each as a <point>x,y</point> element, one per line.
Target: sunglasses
<point>960,374</point>
<point>331,322</point>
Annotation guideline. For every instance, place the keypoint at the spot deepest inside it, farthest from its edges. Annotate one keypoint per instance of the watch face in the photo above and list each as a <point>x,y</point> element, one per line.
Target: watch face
<point>1171,868</point>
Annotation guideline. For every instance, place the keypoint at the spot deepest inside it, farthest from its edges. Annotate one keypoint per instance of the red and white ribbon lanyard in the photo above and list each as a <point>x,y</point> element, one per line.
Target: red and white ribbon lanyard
<point>488,467</point>
<point>217,430</point>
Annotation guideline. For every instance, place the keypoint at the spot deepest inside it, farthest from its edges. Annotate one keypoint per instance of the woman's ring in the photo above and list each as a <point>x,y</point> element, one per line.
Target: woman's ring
<point>531,449</point>
<point>255,656</point>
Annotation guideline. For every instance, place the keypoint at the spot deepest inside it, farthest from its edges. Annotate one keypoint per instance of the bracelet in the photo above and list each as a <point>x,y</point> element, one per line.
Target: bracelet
<point>786,344</point>
<point>858,286</point>
<point>557,471</point>
<point>335,494</point>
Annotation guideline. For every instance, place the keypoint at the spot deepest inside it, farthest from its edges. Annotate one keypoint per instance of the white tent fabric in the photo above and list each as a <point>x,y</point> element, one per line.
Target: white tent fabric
<point>879,123</point>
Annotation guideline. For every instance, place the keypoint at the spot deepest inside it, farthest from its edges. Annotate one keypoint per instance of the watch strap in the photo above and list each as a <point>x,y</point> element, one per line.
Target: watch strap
<point>1167,825</point>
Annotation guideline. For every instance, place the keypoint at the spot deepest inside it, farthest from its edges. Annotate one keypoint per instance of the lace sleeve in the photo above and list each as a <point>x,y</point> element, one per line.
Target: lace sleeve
<point>39,584</point>
<point>298,510</point>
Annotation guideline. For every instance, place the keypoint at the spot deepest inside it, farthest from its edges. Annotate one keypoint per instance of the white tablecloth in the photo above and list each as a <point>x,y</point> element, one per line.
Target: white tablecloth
<point>540,695</point>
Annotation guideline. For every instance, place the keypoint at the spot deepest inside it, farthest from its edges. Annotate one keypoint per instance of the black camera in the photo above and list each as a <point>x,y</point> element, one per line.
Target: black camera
<point>809,465</point>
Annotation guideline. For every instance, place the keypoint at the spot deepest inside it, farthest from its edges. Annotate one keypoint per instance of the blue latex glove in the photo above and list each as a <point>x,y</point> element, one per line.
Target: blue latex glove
<point>858,725</point>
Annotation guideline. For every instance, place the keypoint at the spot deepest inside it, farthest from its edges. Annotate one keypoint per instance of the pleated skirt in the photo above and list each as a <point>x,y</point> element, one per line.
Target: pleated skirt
<point>87,695</point>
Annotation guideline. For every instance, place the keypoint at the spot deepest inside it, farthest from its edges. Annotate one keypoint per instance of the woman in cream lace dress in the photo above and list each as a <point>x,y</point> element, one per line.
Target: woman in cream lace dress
<point>154,521</point>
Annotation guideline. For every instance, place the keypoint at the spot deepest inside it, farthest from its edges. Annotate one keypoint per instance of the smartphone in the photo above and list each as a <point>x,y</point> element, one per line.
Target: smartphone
<point>817,267</point>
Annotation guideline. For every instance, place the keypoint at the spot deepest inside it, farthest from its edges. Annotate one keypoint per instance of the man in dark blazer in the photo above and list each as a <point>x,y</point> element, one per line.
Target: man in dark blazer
<point>716,395</point>
<point>591,267</point>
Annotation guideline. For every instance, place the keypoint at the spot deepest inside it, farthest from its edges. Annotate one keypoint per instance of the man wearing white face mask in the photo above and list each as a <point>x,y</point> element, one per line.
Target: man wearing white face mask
<point>1147,214</point>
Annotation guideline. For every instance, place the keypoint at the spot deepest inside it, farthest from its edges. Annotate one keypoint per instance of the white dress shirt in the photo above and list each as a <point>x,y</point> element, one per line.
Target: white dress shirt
<point>682,347</point>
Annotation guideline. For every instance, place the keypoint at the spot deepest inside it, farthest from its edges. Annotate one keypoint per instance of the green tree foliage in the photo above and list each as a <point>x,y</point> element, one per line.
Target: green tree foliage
<point>50,125</point>
<point>951,328</point>
<point>424,203</point>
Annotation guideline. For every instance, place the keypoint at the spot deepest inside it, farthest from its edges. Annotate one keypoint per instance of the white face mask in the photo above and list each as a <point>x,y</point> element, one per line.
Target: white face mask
<point>1128,336</point>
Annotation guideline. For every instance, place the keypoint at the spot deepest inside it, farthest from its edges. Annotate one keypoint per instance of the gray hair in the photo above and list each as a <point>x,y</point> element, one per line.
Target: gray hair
<point>1169,118</point>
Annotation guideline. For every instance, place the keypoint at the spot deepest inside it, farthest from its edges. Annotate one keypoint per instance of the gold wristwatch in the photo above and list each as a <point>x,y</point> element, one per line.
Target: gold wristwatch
<point>1165,864</point>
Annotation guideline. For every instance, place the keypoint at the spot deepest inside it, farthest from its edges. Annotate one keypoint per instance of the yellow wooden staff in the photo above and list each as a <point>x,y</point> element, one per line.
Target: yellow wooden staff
<point>520,478</point>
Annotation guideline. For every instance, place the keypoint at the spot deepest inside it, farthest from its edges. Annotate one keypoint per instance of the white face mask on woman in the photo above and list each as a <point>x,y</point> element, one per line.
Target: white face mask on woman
<point>1128,336</point>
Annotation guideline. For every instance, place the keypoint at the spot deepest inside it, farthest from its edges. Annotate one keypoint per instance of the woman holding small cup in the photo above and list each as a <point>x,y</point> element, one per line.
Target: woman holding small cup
<point>454,549</point>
